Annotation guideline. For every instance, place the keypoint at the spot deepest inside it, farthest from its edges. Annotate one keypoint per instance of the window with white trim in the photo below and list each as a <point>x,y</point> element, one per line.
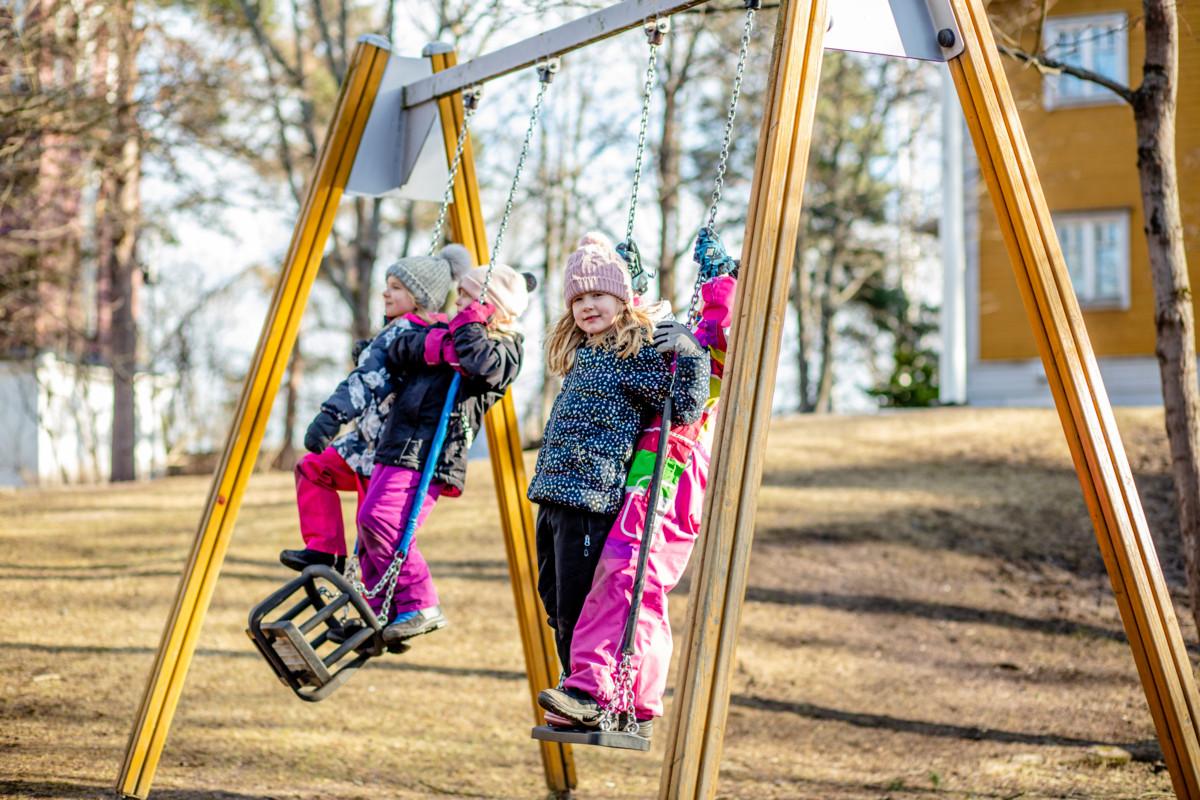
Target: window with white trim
<point>1096,42</point>
<point>1096,247</point>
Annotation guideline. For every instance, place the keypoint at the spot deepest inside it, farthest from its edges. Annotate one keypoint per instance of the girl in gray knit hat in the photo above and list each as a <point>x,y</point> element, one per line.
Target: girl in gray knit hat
<point>417,288</point>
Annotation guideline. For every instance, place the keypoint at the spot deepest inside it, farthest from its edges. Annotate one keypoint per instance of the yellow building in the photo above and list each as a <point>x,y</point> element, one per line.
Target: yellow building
<point>1083,140</point>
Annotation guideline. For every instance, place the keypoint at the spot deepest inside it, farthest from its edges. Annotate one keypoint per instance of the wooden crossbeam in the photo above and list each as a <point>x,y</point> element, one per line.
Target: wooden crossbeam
<point>1083,407</point>
<point>701,700</point>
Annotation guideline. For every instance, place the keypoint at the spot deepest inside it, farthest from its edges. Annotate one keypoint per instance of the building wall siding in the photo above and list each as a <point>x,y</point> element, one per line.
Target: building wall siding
<point>1086,159</point>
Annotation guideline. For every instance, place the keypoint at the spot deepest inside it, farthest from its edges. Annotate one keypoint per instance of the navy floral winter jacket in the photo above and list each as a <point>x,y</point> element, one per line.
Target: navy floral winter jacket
<point>604,404</point>
<point>365,397</point>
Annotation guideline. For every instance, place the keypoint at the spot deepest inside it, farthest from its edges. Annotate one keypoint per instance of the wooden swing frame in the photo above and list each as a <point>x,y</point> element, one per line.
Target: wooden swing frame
<point>691,764</point>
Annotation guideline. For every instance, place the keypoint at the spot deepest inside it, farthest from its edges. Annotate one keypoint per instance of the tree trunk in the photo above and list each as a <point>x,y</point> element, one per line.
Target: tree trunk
<point>123,204</point>
<point>824,401</point>
<point>1154,115</point>
<point>801,294</point>
<point>365,251</point>
<point>286,459</point>
<point>668,197</point>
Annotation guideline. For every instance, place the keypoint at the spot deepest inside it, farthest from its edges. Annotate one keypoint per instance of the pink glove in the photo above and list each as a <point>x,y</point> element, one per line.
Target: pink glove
<point>476,312</point>
<point>435,342</point>
<point>717,313</point>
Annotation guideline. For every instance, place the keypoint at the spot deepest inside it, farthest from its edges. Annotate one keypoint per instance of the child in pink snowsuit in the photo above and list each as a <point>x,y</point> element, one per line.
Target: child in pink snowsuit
<point>415,287</point>
<point>595,655</point>
<point>482,345</point>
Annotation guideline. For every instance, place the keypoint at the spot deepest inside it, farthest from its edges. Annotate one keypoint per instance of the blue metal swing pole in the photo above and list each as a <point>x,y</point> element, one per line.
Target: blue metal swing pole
<point>435,452</point>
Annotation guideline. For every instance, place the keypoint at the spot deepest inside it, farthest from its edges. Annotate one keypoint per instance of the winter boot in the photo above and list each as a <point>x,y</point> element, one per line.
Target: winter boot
<point>299,559</point>
<point>414,623</point>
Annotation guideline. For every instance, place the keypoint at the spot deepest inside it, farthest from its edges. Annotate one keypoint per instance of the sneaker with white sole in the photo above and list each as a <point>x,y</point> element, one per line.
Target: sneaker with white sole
<point>414,623</point>
<point>576,705</point>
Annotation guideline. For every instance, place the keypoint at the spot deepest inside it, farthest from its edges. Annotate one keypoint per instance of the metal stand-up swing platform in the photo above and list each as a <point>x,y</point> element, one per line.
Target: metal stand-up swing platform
<point>325,623</point>
<point>383,95</point>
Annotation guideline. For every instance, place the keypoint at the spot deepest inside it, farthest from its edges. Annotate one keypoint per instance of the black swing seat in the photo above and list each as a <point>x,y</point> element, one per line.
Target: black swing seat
<point>308,644</point>
<point>594,736</point>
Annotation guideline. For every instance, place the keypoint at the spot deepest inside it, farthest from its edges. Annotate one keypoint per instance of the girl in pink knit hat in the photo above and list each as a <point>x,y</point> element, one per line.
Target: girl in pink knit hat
<point>616,368</point>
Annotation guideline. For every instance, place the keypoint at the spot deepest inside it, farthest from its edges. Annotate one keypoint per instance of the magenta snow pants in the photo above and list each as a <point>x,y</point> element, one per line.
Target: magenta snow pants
<point>595,650</point>
<point>319,478</point>
<point>381,519</point>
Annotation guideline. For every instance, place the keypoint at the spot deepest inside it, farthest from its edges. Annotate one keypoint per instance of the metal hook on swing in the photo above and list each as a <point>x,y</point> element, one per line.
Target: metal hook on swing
<point>656,30</point>
<point>471,96</point>
<point>547,69</point>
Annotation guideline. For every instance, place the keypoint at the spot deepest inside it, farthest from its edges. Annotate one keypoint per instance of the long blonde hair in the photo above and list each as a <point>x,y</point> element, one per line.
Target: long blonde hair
<point>630,330</point>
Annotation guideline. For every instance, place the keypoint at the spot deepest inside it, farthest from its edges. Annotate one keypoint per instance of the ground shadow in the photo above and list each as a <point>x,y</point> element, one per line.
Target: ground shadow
<point>1143,750</point>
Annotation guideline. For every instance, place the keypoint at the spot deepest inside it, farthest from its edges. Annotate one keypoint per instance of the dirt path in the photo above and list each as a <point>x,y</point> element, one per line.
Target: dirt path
<point>929,617</point>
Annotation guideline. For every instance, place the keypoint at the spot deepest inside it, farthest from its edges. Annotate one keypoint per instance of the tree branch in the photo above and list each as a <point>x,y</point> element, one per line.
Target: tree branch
<point>1046,65</point>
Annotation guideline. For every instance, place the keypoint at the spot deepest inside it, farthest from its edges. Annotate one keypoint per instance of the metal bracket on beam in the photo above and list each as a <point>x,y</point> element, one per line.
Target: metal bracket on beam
<point>899,28</point>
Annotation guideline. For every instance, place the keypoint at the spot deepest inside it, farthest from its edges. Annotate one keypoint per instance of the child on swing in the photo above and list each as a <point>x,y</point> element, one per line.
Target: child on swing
<point>591,671</point>
<point>416,288</point>
<point>482,344</point>
<point>616,368</point>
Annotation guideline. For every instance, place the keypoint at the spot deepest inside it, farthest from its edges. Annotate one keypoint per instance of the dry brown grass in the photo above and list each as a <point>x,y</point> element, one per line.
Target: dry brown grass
<point>928,617</point>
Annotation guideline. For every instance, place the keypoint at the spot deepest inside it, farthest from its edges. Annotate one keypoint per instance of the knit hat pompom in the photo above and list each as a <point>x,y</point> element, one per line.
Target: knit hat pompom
<point>595,266</point>
<point>595,238</point>
<point>459,259</point>
<point>430,278</point>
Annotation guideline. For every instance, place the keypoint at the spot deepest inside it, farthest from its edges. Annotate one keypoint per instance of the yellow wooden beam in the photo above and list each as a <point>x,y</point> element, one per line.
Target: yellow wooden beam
<point>508,467</point>
<point>178,641</point>
<point>1083,407</point>
<point>714,611</point>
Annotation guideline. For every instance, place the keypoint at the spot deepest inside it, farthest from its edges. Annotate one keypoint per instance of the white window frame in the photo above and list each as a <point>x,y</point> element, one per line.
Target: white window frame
<point>1086,292</point>
<point>1093,94</point>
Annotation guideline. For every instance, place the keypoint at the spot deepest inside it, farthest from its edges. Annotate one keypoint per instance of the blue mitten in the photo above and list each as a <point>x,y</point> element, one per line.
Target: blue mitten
<point>711,256</point>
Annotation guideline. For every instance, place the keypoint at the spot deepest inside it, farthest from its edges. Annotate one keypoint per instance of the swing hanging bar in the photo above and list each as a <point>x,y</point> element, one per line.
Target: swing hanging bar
<point>546,70</point>
<point>470,97</point>
<point>387,582</point>
<point>656,31</point>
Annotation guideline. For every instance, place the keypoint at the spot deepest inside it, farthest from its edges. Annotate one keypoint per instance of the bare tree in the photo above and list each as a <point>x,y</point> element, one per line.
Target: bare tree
<point>1153,104</point>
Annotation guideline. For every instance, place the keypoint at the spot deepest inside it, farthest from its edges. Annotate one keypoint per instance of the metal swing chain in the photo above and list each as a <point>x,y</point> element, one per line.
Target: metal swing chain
<point>352,574</point>
<point>470,104</point>
<point>656,31</point>
<point>722,162</point>
<point>546,72</point>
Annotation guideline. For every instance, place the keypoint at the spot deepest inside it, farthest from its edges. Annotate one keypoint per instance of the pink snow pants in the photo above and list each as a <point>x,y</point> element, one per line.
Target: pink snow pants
<point>381,519</point>
<point>319,478</point>
<point>595,649</point>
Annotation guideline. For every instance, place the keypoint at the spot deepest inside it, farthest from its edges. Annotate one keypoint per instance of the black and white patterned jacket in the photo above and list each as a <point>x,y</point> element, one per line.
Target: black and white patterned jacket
<point>604,403</point>
<point>366,396</point>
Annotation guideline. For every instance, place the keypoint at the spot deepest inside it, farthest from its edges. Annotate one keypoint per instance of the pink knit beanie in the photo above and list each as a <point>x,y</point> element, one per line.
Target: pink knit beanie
<point>596,267</point>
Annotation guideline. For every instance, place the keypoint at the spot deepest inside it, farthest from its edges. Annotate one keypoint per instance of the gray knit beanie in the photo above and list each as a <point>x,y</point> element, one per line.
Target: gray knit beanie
<point>430,278</point>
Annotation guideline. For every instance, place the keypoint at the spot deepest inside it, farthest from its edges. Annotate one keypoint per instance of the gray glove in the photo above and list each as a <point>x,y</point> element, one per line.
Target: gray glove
<point>321,432</point>
<point>674,337</point>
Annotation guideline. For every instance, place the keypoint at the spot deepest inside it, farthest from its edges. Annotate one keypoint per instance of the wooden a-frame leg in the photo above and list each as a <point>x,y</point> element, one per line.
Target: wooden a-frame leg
<point>508,467</point>
<point>275,345</point>
<point>1079,396</point>
<point>714,609</point>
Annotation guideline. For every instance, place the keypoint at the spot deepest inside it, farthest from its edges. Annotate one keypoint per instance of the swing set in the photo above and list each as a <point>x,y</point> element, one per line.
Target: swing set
<point>384,138</point>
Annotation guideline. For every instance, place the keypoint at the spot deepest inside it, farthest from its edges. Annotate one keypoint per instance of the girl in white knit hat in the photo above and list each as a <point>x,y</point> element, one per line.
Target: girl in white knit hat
<point>415,291</point>
<point>480,343</point>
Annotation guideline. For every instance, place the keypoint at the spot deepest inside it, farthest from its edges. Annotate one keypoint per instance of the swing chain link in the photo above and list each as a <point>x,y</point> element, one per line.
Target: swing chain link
<point>622,700</point>
<point>470,97</point>
<point>751,8</point>
<point>656,30</point>
<point>546,71</point>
